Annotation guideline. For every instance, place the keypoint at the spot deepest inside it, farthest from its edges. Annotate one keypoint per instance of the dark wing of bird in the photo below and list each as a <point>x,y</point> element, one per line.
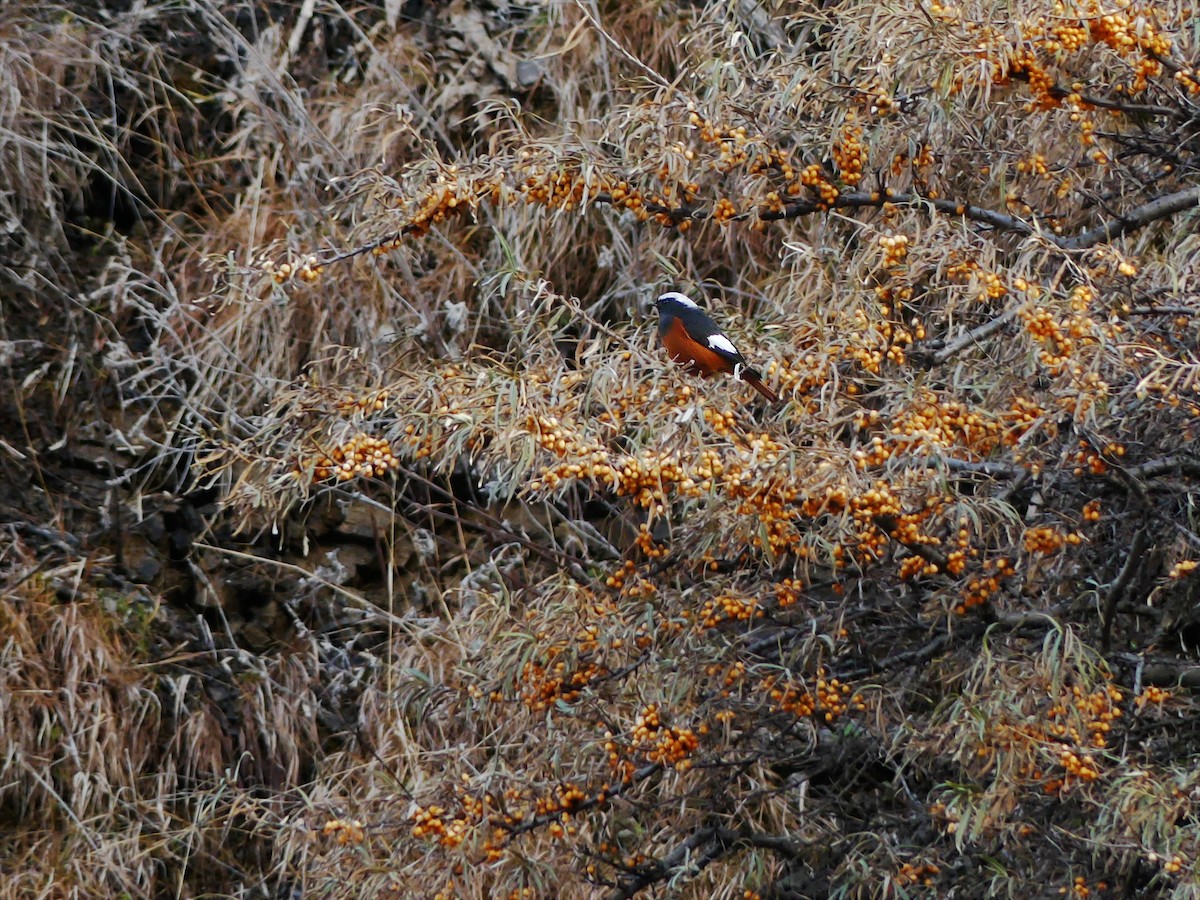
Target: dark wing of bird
<point>704,331</point>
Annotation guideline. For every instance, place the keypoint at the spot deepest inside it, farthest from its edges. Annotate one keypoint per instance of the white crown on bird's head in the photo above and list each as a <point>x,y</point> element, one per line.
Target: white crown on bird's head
<point>676,297</point>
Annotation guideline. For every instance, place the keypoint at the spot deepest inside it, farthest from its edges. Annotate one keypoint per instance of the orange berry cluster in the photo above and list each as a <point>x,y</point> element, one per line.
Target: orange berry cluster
<point>347,831</point>
<point>813,177</point>
<point>731,142</point>
<point>668,745</point>
<point>1082,296</point>
<point>1046,540</point>
<point>796,377</point>
<point>850,155</point>
<point>723,422</point>
<point>921,873</point>
<point>789,698</point>
<point>1182,568</point>
<point>830,701</point>
<point>1174,865</point>
<point>1050,42</point>
<point>980,589</point>
<point>1022,64</point>
<point>895,249</point>
<point>1079,887</point>
<point>1087,459</point>
<point>1058,346</point>
<point>868,513</point>
<point>519,806</point>
<point>308,271</point>
<point>734,673</point>
<point>930,423</point>
<point>870,344</point>
<point>988,284</point>
<point>1076,766</point>
<point>373,401</point>
<point>563,187</point>
<point>1188,79</point>
<point>647,477</point>
<point>724,211</point>
<point>1129,34</point>
<point>1122,31</point>
<point>1020,417</point>
<point>431,822</point>
<point>565,799</point>
<point>736,147</point>
<point>728,607</point>
<point>912,566</point>
<point>1098,710</point>
<point>882,104</point>
<point>650,478</point>
<point>362,456</point>
<point>1074,724</point>
<point>420,445</point>
<point>1151,695</point>
<point>451,193</point>
<point>787,592</point>
<point>545,685</point>
<point>613,854</point>
<point>1035,165</point>
<point>552,435</point>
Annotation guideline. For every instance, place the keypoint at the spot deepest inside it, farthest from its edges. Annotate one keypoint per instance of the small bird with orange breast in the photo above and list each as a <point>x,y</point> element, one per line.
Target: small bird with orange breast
<point>692,338</point>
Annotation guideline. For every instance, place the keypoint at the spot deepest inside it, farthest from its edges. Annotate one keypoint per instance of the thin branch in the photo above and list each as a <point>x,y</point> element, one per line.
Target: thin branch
<point>721,842</point>
<point>1163,311</point>
<point>600,798</point>
<point>888,525</point>
<point>1152,211</point>
<point>974,336</point>
<point>360,602</point>
<point>990,469</point>
<point>1168,465</point>
<point>1129,109</point>
<point>923,654</point>
<point>663,868</point>
<point>1134,219</point>
<point>594,21</point>
<point>857,200</point>
<point>491,525</point>
<point>1133,562</point>
<point>1176,673</point>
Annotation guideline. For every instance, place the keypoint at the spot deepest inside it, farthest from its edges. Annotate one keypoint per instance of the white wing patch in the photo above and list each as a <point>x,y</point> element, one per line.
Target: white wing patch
<point>723,344</point>
<point>679,298</point>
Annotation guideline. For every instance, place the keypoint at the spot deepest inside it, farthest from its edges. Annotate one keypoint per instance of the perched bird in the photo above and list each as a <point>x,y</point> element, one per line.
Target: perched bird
<point>692,338</point>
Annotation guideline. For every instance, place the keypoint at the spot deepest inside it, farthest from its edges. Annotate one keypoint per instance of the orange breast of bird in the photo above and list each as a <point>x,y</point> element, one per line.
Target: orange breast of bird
<point>684,349</point>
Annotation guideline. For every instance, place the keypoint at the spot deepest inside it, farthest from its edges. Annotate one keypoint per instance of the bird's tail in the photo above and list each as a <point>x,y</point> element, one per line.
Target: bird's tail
<point>755,381</point>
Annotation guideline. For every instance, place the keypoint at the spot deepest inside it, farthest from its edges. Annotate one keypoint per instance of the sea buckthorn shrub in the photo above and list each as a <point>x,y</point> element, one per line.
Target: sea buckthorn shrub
<point>619,630</point>
<point>957,266</point>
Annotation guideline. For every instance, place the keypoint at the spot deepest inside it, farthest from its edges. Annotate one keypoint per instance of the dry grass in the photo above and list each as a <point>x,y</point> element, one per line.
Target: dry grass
<point>469,590</point>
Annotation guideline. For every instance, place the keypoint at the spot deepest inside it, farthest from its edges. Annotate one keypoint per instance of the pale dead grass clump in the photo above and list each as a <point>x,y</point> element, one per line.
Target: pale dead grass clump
<point>662,637</point>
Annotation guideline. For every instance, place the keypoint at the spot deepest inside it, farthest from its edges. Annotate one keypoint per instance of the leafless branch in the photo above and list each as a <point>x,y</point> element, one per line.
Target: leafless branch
<point>1136,218</point>
<point>990,469</point>
<point>594,21</point>
<point>597,799</point>
<point>1168,465</point>
<point>1133,561</point>
<point>718,842</point>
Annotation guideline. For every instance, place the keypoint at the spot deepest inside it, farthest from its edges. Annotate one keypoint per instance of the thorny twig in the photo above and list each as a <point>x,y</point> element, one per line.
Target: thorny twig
<point>717,842</point>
